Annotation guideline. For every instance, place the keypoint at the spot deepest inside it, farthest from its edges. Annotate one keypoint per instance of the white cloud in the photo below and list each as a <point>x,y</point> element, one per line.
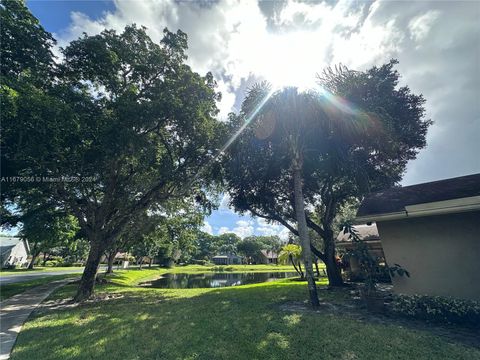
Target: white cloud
<point>420,26</point>
<point>223,230</point>
<point>233,40</point>
<point>207,227</point>
<point>217,34</point>
<point>244,222</point>
<point>264,228</point>
<point>243,228</point>
<point>224,203</point>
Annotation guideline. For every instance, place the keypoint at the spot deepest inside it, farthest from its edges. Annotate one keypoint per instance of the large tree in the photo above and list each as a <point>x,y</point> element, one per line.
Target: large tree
<point>124,125</point>
<point>251,247</point>
<point>227,243</point>
<point>368,129</point>
<point>27,65</point>
<point>173,236</point>
<point>274,151</point>
<point>207,245</point>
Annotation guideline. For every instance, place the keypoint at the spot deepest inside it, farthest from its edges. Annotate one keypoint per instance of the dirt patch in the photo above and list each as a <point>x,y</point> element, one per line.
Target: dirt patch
<point>67,303</point>
<point>353,307</point>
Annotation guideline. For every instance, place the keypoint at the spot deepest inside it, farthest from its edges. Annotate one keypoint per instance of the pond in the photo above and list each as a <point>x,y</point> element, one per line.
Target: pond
<point>214,280</point>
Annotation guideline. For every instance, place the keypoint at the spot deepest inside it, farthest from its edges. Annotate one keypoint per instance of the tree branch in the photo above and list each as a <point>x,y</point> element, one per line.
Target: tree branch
<point>294,231</point>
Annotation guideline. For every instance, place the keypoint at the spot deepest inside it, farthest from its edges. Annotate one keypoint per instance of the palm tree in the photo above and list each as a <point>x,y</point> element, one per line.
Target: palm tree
<point>289,121</point>
<point>292,253</point>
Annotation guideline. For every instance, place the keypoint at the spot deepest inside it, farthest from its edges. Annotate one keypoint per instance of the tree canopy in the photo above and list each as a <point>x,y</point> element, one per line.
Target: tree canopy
<point>123,127</point>
<point>26,46</point>
<point>251,247</point>
<point>358,131</point>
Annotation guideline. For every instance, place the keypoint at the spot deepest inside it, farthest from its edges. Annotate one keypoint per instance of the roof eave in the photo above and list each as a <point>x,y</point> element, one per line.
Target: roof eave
<point>380,217</point>
<point>452,206</point>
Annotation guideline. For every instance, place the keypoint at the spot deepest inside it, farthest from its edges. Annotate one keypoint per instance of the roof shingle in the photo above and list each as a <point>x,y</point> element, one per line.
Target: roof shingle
<point>395,199</point>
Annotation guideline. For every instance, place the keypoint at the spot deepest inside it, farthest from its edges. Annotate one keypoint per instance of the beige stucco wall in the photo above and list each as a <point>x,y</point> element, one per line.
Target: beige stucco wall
<point>442,254</point>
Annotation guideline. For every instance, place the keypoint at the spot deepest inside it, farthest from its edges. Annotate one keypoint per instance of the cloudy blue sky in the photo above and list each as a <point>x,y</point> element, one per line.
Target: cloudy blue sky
<point>287,43</point>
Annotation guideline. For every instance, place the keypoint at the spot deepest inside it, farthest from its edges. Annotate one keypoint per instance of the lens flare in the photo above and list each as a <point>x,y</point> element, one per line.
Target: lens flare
<point>247,121</point>
<point>230,141</point>
<point>351,117</point>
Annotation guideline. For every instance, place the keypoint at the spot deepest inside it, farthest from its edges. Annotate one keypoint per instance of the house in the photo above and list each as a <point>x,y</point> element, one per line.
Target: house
<point>268,257</point>
<point>431,230</point>
<point>121,259</point>
<point>368,233</point>
<point>227,259</point>
<point>13,251</point>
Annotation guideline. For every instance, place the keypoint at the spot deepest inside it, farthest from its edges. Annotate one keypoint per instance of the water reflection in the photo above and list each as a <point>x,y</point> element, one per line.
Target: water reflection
<point>214,280</point>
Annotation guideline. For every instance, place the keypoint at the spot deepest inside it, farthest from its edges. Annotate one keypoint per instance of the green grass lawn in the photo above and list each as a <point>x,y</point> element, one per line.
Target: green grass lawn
<point>24,271</point>
<point>244,322</point>
<point>16,288</point>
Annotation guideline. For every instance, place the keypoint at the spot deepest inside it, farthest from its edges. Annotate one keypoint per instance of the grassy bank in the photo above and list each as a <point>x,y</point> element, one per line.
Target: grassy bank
<point>24,271</point>
<point>128,277</point>
<point>9,290</point>
<point>244,322</point>
<point>188,269</point>
<point>177,269</point>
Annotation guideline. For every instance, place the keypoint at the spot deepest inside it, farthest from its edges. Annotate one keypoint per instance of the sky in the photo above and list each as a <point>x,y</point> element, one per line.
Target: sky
<point>287,43</point>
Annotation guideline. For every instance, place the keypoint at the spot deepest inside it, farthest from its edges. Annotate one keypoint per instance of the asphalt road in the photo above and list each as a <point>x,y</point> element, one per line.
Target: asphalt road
<point>11,279</point>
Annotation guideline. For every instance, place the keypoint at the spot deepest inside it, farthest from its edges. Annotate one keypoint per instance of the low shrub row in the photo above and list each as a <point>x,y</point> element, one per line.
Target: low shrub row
<point>200,262</point>
<point>221,268</point>
<point>61,263</point>
<point>438,309</point>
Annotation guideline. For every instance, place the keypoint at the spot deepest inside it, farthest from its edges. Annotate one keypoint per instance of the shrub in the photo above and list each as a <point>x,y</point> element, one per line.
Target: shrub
<point>217,268</point>
<point>199,262</point>
<point>438,309</point>
<point>64,263</point>
<point>222,268</point>
<point>52,263</point>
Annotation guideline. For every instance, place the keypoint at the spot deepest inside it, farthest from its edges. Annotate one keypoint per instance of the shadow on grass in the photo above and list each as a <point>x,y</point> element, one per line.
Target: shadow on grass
<point>229,323</point>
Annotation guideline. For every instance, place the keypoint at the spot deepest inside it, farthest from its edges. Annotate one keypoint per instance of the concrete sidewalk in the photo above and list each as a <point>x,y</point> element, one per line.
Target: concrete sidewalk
<point>15,311</point>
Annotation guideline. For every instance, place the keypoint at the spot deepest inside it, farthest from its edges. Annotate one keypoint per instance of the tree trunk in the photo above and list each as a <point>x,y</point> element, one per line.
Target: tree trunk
<point>44,259</point>
<point>87,282</point>
<point>303,233</point>
<point>111,259</point>
<point>32,263</point>
<point>333,271</point>
<point>150,263</point>
<point>295,266</point>
<point>316,267</point>
<point>300,269</point>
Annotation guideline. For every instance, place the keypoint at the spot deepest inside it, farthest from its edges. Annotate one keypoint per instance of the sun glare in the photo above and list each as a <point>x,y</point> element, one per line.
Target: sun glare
<point>291,59</point>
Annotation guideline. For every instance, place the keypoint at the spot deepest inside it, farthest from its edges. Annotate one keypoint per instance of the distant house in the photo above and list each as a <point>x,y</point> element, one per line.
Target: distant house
<point>368,233</point>
<point>431,230</point>
<point>268,257</point>
<point>227,259</point>
<point>13,251</point>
